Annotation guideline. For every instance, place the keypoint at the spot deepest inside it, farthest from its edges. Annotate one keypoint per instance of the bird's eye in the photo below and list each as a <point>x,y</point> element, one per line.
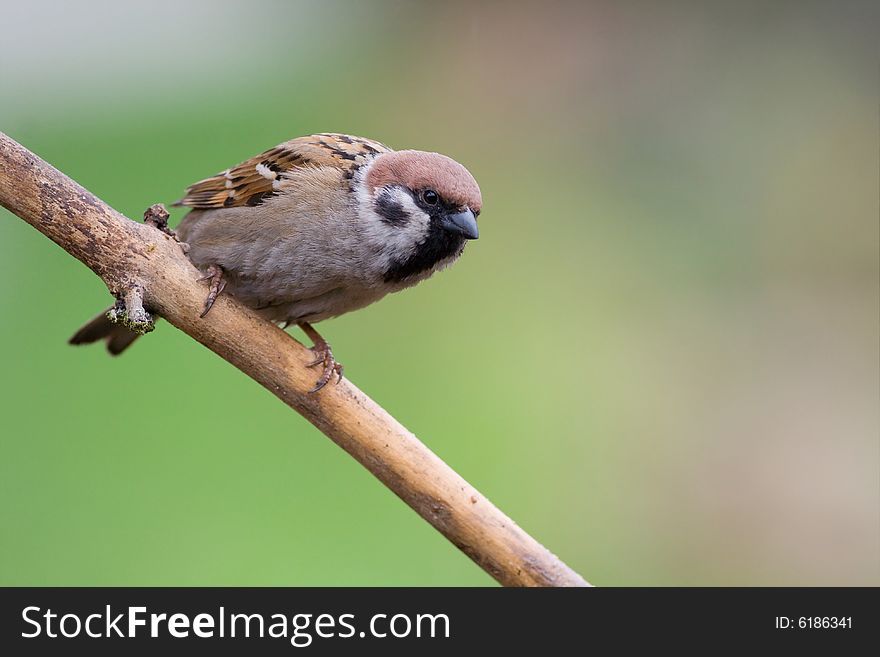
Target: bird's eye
<point>430,197</point>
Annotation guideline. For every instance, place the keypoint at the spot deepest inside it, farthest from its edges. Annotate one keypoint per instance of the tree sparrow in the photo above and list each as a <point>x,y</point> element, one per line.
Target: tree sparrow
<point>317,227</point>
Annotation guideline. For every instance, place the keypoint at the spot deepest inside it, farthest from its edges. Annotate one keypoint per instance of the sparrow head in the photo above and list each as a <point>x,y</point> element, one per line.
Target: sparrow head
<point>424,206</point>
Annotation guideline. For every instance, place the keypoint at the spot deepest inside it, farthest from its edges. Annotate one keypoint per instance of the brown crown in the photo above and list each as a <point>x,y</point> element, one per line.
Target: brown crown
<point>419,170</point>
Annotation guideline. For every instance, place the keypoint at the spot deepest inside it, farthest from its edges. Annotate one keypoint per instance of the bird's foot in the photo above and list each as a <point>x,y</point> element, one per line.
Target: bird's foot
<point>324,357</point>
<point>214,274</point>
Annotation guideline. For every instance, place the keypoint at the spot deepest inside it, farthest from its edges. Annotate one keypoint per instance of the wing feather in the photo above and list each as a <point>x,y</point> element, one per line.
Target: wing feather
<point>259,177</point>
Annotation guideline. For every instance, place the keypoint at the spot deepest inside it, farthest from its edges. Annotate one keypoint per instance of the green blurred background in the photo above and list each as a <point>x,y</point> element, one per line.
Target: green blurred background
<point>661,357</point>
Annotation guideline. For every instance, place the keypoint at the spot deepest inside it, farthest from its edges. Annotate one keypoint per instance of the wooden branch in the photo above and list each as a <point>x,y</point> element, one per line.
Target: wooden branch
<point>139,262</point>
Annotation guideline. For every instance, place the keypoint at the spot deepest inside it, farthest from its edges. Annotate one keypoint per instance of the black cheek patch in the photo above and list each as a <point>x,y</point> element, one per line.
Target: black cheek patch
<point>391,211</point>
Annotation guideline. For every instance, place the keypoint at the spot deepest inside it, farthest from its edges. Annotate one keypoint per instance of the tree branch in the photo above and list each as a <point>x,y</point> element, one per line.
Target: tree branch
<point>141,263</point>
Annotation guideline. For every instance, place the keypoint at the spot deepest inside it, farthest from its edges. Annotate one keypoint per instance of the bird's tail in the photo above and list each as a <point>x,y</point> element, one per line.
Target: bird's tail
<point>101,328</point>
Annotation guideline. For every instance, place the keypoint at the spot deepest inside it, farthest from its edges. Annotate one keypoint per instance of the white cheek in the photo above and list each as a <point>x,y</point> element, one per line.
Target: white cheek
<point>416,229</point>
<point>394,242</point>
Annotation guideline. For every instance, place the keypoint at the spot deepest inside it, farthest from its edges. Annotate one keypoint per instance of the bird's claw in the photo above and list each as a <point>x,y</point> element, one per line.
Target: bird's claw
<point>214,274</point>
<point>324,356</point>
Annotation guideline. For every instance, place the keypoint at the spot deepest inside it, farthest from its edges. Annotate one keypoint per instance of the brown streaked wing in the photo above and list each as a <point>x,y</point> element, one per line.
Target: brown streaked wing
<point>250,182</point>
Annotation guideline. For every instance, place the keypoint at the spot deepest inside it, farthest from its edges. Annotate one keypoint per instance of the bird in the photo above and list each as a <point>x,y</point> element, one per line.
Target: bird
<point>317,227</point>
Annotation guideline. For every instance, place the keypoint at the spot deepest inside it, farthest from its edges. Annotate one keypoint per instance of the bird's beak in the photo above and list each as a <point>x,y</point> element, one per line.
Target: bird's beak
<point>463,223</point>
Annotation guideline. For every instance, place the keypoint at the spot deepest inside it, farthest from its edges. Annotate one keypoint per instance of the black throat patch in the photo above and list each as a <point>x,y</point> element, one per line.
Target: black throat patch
<point>438,245</point>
